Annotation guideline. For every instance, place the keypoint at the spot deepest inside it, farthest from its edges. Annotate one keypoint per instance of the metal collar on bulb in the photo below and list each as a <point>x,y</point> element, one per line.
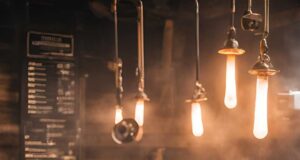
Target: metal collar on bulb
<point>263,66</point>
<point>199,94</point>
<point>142,96</point>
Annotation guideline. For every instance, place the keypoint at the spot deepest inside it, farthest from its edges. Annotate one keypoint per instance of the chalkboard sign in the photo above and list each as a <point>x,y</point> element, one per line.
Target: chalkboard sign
<point>46,45</point>
<point>50,104</point>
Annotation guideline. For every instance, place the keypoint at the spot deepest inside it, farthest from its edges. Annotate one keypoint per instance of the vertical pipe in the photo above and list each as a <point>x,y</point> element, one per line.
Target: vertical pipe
<point>267,12</point>
<point>249,5</point>
<point>232,12</point>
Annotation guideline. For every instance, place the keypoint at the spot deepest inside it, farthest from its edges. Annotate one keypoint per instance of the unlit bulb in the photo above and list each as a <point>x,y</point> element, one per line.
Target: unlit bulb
<point>139,112</point>
<point>230,99</point>
<point>260,129</point>
<point>118,115</point>
<point>197,124</point>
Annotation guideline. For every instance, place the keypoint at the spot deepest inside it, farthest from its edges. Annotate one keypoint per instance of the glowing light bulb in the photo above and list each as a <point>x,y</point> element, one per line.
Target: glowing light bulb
<point>118,115</point>
<point>197,120</point>
<point>230,99</point>
<point>139,112</point>
<point>260,129</point>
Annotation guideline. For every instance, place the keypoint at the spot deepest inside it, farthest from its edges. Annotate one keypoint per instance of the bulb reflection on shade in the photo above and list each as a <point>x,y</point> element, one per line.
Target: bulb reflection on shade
<point>139,112</point>
<point>260,129</point>
<point>118,115</point>
<point>230,98</point>
<point>197,124</point>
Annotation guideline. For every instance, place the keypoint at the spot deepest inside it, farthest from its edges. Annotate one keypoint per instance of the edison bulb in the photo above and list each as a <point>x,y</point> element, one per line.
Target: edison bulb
<point>139,112</point>
<point>260,129</point>
<point>230,98</point>
<point>197,124</point>
<point>118,115</point>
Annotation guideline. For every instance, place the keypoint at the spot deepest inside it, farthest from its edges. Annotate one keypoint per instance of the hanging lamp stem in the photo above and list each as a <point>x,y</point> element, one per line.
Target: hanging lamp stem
<point>267,19</point>
<point>197,42</point>
<point>232,12</point>
<point>118,62</point>
<point>141,67</point>
<point>249,5</point>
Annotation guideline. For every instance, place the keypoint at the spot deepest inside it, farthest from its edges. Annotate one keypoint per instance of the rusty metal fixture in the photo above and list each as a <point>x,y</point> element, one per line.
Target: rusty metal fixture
<point>251,21</point>
<point>199,94</point>
<point>126,131</point>
<point>263,66</point>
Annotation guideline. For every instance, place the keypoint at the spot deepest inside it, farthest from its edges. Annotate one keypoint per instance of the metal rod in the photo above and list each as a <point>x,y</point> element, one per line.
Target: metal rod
<point>118,61</point>
<point>232,12</point>
<point>249,5</point>
<point>141,68</point>
<point>197,42</point>
<point>115,10</point>
<point>267,15</point>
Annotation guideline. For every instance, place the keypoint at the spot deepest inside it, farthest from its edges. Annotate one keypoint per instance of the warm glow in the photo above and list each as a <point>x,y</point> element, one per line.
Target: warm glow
<point>197,120</point>
<point>260,129</point>
<point>230,99</point>
<point>139,112</point>
<point>118,115</point>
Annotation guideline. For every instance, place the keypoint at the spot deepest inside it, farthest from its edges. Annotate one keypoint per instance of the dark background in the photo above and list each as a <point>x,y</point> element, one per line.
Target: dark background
<point>169,76</point>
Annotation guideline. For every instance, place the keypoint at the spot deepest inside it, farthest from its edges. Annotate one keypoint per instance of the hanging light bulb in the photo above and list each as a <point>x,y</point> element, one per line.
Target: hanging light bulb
<point>140,72</point>
<point>199,92</point>
<point>263,68</point>
<point>260,130</point>
<point>196,114</point>
<point>139,112</point>
<point>231,50</point>
<point>118,115</point>
<point>230,99</point>
<point>197,123</point>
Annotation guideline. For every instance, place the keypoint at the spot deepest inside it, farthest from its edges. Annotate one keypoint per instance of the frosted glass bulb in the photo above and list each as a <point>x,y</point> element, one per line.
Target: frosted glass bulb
<point>139,112</point>
<point>260,129</point>
<point>197,124</point>
<point>230,98</point>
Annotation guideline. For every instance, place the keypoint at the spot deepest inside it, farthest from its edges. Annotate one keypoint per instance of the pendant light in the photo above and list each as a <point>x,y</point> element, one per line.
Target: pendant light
<point>263,68</point>
<point>199,92</point>
<point>231,50</point>
<point>141,96</point>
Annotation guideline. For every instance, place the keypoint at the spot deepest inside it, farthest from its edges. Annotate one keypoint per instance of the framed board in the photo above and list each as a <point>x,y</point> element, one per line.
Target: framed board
<point>50,105</point>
